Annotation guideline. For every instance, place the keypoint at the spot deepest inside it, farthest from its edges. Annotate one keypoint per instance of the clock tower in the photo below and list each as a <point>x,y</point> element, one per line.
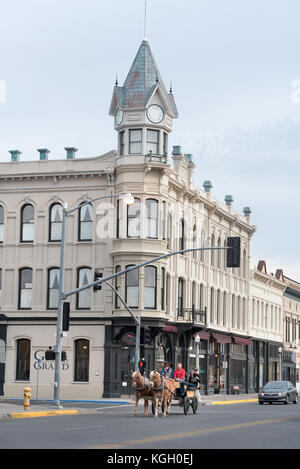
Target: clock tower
<point>143,112</point>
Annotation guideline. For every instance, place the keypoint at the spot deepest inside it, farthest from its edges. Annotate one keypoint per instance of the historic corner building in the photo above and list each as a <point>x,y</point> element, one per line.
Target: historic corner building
<point>191,305</point>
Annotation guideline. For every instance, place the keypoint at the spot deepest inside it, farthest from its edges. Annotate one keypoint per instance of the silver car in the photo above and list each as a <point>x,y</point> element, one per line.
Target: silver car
<point>278,391</point>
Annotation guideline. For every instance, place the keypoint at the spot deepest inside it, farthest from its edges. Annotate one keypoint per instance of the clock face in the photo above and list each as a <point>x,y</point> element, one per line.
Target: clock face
<point>119,117</point>
<point>155,113</point>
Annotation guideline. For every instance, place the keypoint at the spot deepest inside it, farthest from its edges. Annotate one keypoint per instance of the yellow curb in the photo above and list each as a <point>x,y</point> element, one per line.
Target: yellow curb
<point>233,402</point>
<point>43,414</point>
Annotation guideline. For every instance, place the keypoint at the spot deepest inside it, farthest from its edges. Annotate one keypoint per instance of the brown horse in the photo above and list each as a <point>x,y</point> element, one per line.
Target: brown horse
<point>165,388</point>
<point>144,390</point>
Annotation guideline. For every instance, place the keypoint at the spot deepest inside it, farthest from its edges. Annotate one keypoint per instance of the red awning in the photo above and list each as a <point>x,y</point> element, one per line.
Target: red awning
<point>242,341</point>
<point>203,335</point>
<point>221,338</point>
<point>170,328</point>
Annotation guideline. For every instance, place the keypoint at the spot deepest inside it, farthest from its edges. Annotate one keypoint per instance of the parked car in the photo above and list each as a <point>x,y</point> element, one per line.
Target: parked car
<point>278,391</point>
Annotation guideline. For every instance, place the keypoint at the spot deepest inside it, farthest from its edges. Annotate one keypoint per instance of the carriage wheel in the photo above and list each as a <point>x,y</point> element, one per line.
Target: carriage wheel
<point>186,405</point>
<point>195,404</point>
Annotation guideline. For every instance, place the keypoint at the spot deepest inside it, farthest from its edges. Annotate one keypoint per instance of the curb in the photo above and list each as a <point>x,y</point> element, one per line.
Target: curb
<point>233,402</point>
<point>47,413</point>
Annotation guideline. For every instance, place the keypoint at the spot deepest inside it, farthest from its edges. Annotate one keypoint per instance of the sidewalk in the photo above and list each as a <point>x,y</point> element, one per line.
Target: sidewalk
<point>13,408</point>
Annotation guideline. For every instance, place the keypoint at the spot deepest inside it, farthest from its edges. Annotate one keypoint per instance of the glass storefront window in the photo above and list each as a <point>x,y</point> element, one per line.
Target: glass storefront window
<point>238,373</point>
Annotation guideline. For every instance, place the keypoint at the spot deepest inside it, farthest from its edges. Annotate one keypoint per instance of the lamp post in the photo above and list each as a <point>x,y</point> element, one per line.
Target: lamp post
<point>128,199</point>
<point>197,342</point>
<point>280,363</point>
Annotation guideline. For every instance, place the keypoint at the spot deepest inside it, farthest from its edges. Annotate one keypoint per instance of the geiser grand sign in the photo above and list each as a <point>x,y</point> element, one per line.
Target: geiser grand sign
<point>42,364</point>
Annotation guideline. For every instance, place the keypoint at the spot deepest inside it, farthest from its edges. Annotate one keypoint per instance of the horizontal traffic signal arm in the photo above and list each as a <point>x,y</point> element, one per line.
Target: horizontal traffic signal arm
<point>138,266</point>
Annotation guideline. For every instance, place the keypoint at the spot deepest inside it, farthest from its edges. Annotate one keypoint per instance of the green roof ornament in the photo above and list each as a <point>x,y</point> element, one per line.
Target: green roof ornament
<point>176,150</point>
<point>189,158</point>
<point>228,200</point>
<point>247,211</point>
<point>15,155</point>
<point>207,186</point>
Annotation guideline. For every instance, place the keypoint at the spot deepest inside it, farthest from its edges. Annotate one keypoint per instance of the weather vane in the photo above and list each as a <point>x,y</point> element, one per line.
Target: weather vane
<point>145,22</point>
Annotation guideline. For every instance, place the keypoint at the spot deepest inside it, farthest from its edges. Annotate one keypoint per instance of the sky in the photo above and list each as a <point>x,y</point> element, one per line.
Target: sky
<point>235,72</point>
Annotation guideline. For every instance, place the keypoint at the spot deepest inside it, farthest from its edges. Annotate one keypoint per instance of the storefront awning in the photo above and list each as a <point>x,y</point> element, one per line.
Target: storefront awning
<point>170,328</point>
<point>242,341</point>
<point>221,338</point>
<point>203,335</point>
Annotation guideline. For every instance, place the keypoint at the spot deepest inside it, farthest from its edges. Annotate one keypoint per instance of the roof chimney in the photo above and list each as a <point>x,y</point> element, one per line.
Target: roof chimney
<point>15,155</point>
<point>43,153</point>
<point>70,152</point>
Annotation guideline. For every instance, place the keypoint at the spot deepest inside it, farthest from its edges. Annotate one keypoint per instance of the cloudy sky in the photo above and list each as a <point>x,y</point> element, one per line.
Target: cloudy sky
<point>235,71</point>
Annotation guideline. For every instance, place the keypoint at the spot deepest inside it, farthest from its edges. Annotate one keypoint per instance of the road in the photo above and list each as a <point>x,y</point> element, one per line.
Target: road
<point>236,426</point>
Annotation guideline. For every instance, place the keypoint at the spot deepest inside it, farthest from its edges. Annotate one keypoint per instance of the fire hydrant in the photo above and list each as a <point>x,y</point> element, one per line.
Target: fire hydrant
<point>27,397</point>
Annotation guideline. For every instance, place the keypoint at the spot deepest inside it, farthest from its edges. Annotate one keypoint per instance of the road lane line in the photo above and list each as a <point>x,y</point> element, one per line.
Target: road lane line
<point>84,428</point>
<point>114,406</point>
<point>205,431</point>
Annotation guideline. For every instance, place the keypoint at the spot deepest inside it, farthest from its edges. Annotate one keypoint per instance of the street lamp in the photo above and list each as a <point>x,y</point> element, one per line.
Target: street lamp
<point>197,341</point>
<point>280,364</point>
<point>128,199</point>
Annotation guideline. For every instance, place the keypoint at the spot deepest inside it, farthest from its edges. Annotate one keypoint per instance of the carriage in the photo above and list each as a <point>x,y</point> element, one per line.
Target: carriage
<point>185,400</point>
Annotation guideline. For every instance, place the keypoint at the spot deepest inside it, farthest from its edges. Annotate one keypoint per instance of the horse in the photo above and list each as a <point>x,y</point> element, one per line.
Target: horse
<point>165,388</point>
<point>144,390</point>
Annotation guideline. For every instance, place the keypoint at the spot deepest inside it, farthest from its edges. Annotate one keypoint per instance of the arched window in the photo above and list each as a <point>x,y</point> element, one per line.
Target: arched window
<point>1,223</point>
<point>117,287</point>
<point>239,314</point>
<point>85,232</point>
<point>233,312</point>
<point>132,288</point>
<point>218,307</point>
<point>212,305</point>
<point>195,253</point>
<point>84,277</point>
<point>168,294</point>
<point>163,282</point>
<point>169,231</point>
<point>244,314</point>
<point>53,288</point>
<point>150,281</point>
<point>219,254</point>
<point>23,360</point>
<point>202,255</point>
<point>55,227</point>
<point>212,256</point>
<point>164,220</point>
<point>201,299</point>
<point>82,360</point>
<point>151,218</point>
<point>27,223</point>
<point>134,219</point>
<point>244,264</point>
<point>224,309</point>
<point>181,235</point>
<point>25,288</point>
<point>180,301</point>
<point>194,295</point>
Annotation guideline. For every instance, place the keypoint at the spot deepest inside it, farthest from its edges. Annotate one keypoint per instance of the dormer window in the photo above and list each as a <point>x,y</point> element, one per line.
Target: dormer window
<point>152,142</point>
<point>135,141</point>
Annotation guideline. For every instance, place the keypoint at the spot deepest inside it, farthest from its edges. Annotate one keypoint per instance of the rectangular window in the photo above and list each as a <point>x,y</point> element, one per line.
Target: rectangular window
<point>150,288</point>
<point>122,143</point>
<point>133,219</point>
<point>25,289</point>
<point>152,218</point>
<point>165,149</point>
<point>117,287</point>
<point>132,288</point>
<point>152,142</point>
<point>135,141</point>
<point>163,280</point>
<point>164,219</point>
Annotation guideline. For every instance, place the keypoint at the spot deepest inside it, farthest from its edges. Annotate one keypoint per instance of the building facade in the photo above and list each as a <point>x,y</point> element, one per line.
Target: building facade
<point>177,298</point>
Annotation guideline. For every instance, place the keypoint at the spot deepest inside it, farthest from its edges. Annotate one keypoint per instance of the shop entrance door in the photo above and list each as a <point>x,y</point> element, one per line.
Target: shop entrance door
<point>127,366</point>
<point>217,369</point>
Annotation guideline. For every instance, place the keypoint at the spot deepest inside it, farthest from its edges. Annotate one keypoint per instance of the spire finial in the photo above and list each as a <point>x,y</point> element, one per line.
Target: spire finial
<point>145,22</point>
<point>171,90</point>
<point>116,80</point>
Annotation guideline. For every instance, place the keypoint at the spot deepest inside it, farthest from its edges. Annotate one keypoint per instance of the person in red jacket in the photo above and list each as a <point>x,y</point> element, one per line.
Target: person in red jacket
<point>179,372</point>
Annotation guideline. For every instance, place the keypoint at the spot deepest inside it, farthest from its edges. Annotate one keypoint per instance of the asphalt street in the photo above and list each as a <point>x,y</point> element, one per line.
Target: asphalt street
<point>238,426</point>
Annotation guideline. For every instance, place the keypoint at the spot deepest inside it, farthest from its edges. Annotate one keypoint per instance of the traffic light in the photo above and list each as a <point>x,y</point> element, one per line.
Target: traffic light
<point>147,335</point>
<point>233,254</point>
<point>49,354</point>
<point>142,365</point>
<point>66,316</point>
<point>97,275</point>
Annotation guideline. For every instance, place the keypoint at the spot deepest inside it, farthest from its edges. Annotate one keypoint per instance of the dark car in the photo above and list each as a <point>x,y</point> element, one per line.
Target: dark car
<point>278,391</point>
